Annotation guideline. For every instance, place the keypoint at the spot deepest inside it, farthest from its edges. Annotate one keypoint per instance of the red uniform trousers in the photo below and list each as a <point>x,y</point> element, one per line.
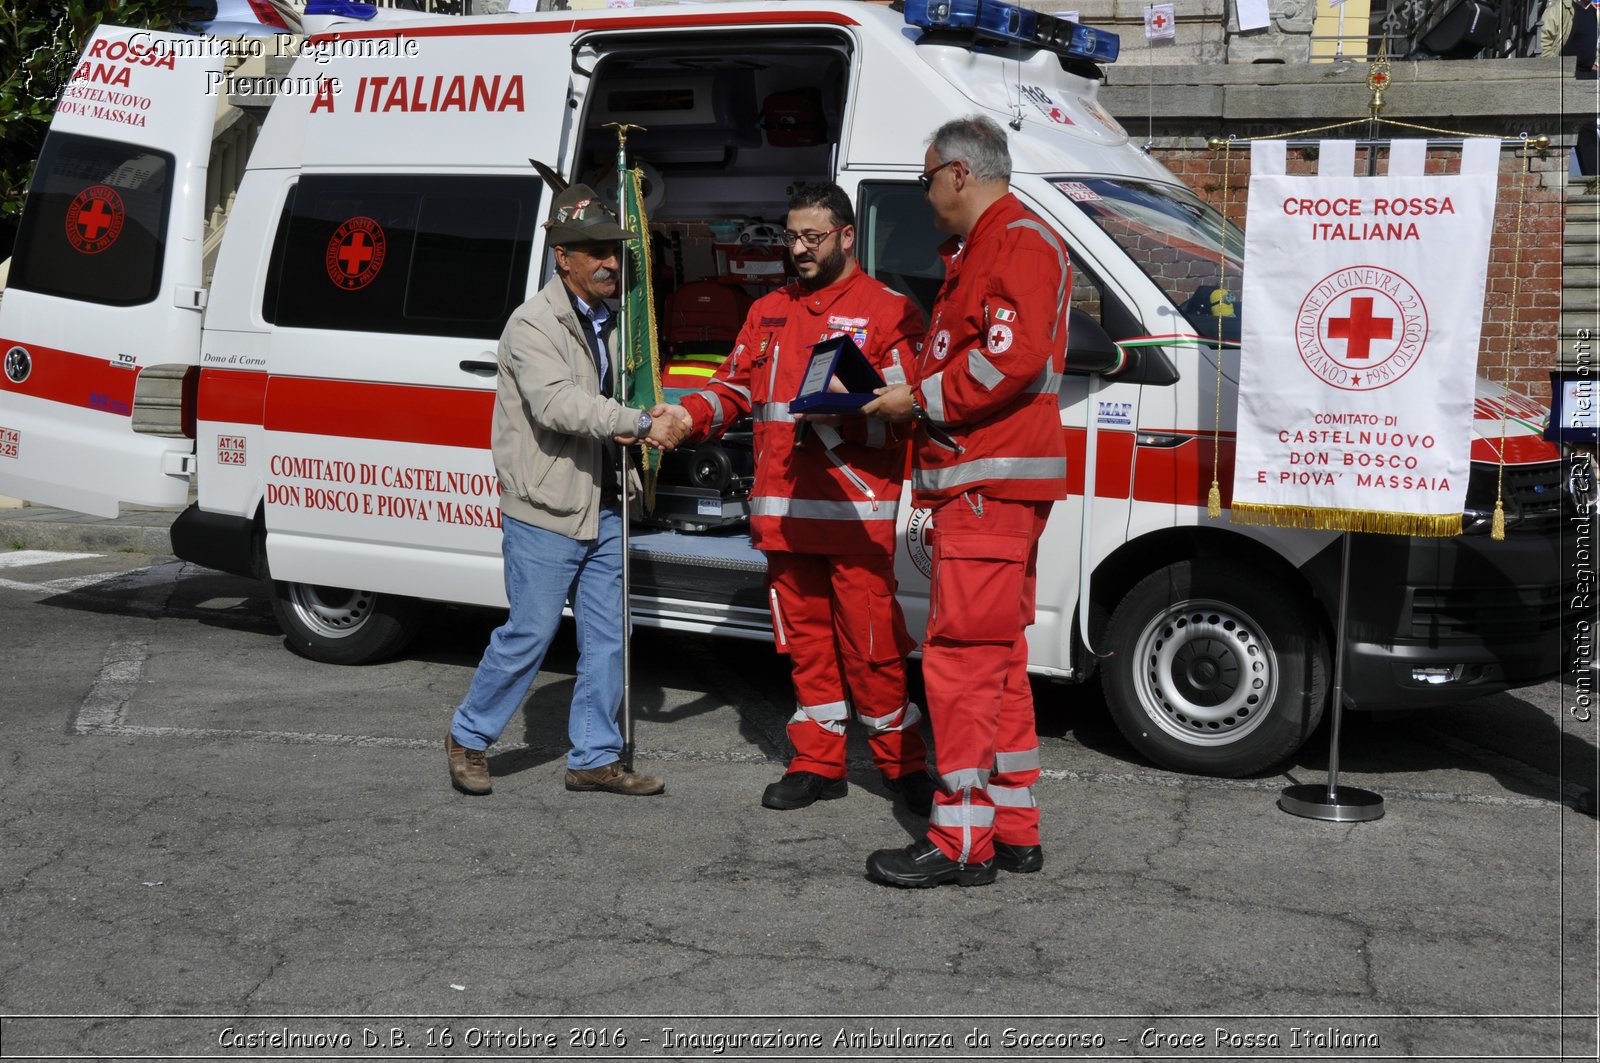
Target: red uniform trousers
<point>975,669</point>
<point>838,620</point>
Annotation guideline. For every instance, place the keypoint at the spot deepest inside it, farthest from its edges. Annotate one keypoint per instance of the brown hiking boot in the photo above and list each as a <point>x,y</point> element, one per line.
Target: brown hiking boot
<point>469,768</point>
<point>613,780</point>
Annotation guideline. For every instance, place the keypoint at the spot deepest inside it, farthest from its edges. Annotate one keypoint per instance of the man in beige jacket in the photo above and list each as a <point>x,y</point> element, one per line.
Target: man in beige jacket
<point>561,519</point>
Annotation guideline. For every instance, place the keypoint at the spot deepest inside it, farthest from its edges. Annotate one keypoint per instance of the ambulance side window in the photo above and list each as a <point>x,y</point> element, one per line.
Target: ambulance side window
<point>94,228</point>
<point>896,241</point>
<point>1090,296</point>
<point>429,256</point>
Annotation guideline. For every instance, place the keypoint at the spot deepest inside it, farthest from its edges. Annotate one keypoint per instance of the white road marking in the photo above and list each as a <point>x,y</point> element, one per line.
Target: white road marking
<point>130,579</point>
<point>105,706</point>
<point>22,558</point>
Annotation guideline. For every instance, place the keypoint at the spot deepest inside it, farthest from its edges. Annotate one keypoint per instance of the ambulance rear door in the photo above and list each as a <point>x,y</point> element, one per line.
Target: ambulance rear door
<point>106,278</point>
<point>408,237</point>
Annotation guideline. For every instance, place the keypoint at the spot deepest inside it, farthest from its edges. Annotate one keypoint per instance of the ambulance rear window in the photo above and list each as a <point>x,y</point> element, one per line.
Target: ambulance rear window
<point>94,227</point>
<point>428,256</point>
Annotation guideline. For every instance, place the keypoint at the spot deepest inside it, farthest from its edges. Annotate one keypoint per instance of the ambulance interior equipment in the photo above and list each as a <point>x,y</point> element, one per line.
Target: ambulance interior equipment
<point>726,133</point>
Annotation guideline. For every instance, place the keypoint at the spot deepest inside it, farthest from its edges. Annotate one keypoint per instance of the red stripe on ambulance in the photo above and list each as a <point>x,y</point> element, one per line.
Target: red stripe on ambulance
<point>232,396</point>
<point>92,383</point>
<point>404,413</point>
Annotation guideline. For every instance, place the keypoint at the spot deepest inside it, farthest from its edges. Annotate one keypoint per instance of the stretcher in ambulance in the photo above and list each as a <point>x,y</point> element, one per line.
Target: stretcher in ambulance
<point>338,365</point>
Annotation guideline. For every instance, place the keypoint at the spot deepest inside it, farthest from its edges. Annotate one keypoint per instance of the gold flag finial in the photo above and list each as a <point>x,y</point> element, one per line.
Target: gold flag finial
<point>1378,78</point>
<point>622,129</point>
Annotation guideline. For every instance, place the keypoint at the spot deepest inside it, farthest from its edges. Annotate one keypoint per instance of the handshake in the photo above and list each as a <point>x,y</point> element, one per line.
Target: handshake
<point>669,425</point>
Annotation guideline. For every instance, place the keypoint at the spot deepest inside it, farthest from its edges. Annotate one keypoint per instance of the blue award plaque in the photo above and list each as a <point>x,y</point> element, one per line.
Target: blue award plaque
<point>836,359</point>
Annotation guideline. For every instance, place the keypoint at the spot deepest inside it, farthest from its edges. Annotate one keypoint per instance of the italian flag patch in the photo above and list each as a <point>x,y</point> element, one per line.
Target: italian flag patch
<point>1004,313</point>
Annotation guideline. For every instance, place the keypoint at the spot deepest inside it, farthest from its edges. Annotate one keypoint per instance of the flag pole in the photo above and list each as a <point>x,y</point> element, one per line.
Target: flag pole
<point>619,388</point>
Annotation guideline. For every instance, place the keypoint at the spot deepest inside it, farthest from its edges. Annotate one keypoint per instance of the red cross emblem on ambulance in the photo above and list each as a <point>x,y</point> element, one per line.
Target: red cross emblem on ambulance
<point>95,219</point>
<point>355,254</point>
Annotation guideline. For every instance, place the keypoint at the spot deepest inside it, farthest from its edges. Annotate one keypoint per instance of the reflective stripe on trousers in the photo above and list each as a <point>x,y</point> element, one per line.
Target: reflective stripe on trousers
<point>906,716</point>
<point>966,809</point>
<point>830,717</point>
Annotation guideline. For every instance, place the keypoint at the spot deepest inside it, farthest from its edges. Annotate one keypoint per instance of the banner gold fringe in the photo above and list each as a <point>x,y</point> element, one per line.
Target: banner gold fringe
<point>1359,520</point>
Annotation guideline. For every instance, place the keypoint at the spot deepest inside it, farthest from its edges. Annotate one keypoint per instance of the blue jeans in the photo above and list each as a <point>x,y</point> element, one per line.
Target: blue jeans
<point>544,572</point>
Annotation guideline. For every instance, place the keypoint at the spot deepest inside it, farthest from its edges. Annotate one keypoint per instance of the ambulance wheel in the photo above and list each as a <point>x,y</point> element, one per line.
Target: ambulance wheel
<point>338,626</point>
<point>1212,672</point>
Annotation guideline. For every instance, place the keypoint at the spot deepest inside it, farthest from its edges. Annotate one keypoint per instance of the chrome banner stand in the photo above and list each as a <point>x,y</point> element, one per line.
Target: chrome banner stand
<point>1334,803</point>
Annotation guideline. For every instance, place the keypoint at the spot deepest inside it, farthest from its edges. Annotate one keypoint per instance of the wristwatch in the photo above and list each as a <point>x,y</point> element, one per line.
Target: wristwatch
<point>642,429</point>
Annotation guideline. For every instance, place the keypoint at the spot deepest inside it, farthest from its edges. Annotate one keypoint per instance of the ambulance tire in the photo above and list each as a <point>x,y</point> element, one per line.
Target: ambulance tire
<point>338,626</point>
<point>1213,673</point>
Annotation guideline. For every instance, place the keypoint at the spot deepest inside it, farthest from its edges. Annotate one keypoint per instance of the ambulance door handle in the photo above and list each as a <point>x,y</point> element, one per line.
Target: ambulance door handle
<point>479,368</point>
<point>185,297</point>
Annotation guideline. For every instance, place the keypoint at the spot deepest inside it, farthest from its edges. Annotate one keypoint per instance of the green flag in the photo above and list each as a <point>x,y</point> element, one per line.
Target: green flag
<point>641,361</point>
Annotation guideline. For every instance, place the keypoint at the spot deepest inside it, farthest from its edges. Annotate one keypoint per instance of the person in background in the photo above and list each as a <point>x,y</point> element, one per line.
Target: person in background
<point>555,424</point>
<point>1568,28</point>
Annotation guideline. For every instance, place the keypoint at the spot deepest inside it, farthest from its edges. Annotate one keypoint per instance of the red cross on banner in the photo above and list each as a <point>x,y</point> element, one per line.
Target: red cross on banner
<point>1161,22</point>
<point>1360,328</point>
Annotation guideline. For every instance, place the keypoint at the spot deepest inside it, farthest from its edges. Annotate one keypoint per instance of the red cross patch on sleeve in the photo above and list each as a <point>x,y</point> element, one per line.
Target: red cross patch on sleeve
<point>998,339</point>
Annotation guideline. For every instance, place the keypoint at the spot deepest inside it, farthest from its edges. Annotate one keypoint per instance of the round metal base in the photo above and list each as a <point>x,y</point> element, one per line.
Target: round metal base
<point>1349,804</point>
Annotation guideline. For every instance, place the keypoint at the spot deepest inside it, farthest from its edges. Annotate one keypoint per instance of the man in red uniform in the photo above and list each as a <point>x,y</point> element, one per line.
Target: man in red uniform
<point>823,506</point>
<point>990,458</point>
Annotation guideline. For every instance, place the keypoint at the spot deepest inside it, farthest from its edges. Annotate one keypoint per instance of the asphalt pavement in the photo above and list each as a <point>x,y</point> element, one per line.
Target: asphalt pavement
<point>213,849</point>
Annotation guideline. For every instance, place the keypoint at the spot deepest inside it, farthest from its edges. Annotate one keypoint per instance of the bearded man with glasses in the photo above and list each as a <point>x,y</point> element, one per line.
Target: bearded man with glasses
<point>823,506</point>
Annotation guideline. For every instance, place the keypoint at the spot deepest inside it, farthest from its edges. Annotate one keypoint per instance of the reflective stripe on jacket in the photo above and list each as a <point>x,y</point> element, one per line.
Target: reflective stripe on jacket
<point>818,490</point>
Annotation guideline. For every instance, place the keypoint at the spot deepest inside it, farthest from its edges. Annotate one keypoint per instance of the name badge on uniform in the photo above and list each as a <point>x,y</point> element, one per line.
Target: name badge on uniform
<point>838,379</point>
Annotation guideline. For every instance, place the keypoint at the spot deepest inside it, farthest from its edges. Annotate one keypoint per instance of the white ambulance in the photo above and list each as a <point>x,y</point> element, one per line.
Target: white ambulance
<point>338,368</point>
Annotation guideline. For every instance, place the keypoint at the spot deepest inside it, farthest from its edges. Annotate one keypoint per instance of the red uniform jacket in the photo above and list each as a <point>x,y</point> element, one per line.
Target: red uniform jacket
<point>991,365</point>
<point>837,490</point>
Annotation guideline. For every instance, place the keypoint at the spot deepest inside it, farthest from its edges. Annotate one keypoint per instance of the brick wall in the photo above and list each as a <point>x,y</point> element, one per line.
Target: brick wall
<point>1534,285</point>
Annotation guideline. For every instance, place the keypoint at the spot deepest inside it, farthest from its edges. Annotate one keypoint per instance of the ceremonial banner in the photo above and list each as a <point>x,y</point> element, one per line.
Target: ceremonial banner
<point>641,361</point>
<point>1362,305</point>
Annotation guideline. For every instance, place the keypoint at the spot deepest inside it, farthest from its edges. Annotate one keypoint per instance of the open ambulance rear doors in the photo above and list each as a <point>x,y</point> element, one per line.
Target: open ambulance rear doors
<point>106,277</point>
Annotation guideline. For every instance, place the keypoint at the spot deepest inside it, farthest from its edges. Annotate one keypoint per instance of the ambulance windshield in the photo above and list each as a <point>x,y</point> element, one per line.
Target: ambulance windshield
<point>1176,239</point>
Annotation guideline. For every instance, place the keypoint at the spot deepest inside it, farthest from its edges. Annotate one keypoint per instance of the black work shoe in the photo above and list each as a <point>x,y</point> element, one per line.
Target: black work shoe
<point>916,788</point>
<point>921,864</point>
<point>1018,859</point>
<point>801,788</point>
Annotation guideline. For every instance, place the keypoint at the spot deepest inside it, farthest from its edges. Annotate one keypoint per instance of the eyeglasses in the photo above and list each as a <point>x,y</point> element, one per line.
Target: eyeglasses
<point>810,239</point>
<point>926,179</point>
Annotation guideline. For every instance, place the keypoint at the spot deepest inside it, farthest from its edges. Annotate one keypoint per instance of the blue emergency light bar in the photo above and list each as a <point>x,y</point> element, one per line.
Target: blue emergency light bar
<point>342,9</point>
<point>1013,24</point>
